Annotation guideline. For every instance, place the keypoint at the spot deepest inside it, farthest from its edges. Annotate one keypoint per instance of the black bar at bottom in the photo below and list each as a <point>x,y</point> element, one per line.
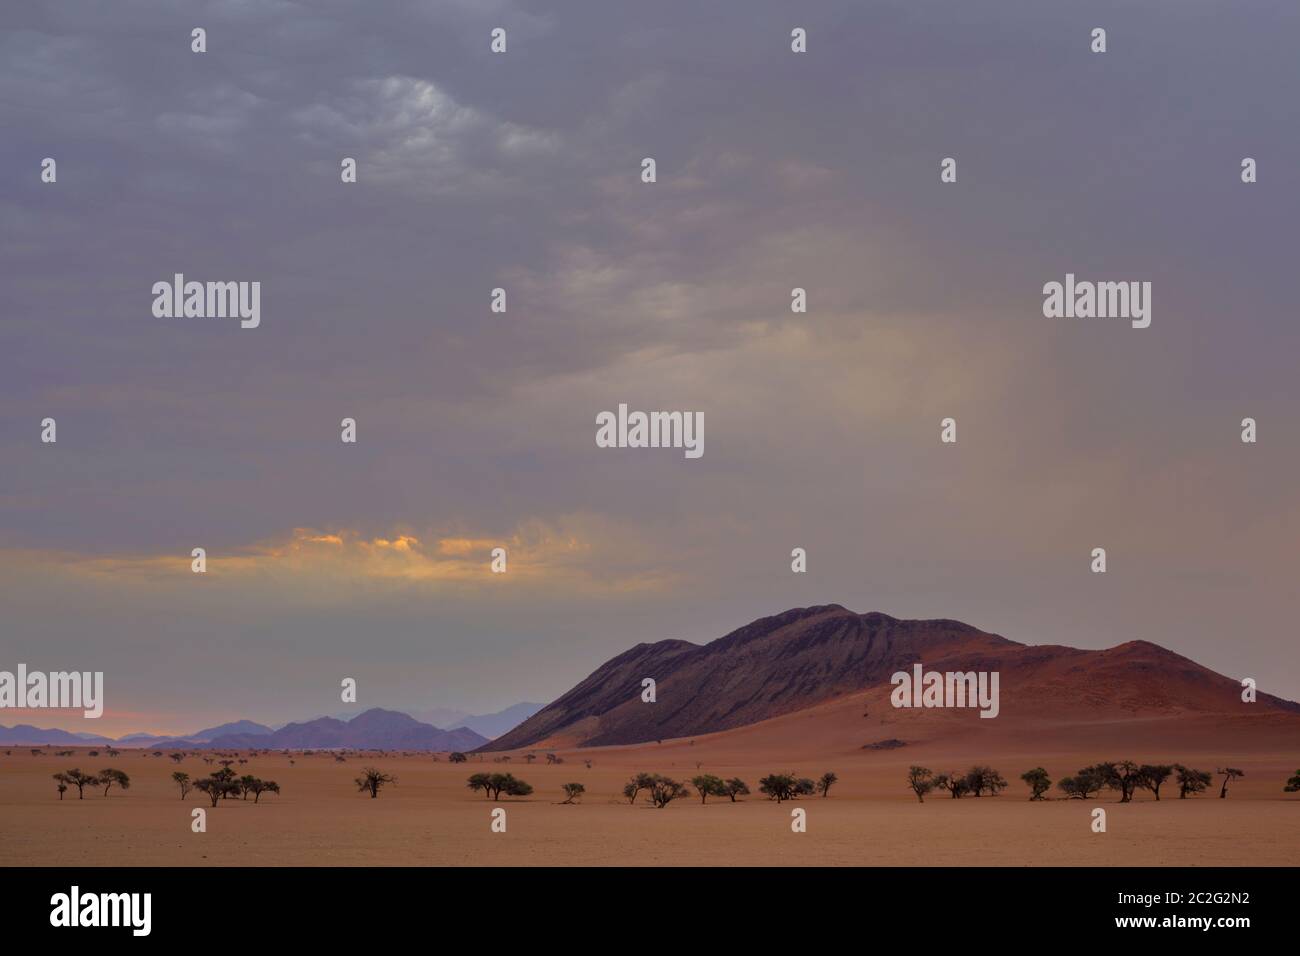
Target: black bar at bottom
<point>724,905</point>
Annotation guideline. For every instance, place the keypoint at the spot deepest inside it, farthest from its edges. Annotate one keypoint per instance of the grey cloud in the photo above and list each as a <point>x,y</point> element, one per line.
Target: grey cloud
<point>775,171</point>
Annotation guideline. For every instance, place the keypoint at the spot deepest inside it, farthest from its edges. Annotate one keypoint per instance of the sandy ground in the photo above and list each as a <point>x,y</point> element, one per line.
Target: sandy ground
<point>870,818</point>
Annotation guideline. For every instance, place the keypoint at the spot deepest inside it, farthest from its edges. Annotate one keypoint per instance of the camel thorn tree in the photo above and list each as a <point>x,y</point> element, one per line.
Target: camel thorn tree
<point>374,781</point>
<point>1229,774</point>
<point>1039,782</point>
<point>572,791</point>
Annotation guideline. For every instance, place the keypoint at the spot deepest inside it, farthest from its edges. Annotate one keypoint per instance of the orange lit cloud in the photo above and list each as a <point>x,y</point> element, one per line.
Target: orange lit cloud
<point>537,554</point>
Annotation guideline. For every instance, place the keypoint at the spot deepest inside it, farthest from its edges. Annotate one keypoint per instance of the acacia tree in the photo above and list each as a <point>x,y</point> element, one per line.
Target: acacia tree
<point>1153,775</point>
<point>1087,781</point>
<point>707,785</point>
<point>1229,773</point>
<point>1128,777</point>
<point>481,781</point>
<point>979,779</point>
<point>457,757</point>
<point>259,787</point>
<point>506,783</point>
<point>825,782</point>
<point>572,791</point>
<point>1124,776</point>
<point>921,780</point>
<point>226,777</point>
<point>1039,782</point>
<point>107,778</point>
<point>735,787</point>
<point>954,783</point>
<point>1191,781</point>
<point>183,781</point>
<point>642,781</point>
<point>498,782</point>
<point>62,779</point>
<point>664,790</point>
<point>778,786</point>
<point>216,788</point>
<point>79,780</point>
<point>246,785</point>
<point>374,780</point>
<point>995,782</point>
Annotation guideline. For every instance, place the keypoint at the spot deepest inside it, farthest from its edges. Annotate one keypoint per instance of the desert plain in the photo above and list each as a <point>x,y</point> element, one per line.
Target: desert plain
<point>430,817</point>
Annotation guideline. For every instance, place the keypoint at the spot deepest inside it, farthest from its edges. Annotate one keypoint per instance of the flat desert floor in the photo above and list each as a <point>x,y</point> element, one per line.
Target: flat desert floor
<point>431,818</point>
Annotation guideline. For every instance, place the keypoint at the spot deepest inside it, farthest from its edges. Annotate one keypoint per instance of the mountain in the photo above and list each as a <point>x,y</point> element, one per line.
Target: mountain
<point>375,729</point>
<point>26,734</point>
<point>489,725</point>
<point>142,740</point>
<point>443,716</point>
<point>235,727</point>
<point>494,725</point>
<point>803,657</point>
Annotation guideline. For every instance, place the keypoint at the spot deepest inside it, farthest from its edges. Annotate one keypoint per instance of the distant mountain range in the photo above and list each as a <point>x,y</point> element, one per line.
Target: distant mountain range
<point>374,729</point>
<point>209,733</point>
<point>27,735</point>
<point>489,725</point>
<point>793,662</point>
<point>806,656</point>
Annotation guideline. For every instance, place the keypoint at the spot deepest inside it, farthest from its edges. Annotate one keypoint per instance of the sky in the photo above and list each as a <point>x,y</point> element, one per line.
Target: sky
<point>476,429</point>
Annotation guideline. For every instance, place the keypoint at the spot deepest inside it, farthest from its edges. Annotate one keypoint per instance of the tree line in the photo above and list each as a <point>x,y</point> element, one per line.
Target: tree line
<point>661,790</point>
<point>1125,777</point>
<point>224,785</point>
<point>105,778</point>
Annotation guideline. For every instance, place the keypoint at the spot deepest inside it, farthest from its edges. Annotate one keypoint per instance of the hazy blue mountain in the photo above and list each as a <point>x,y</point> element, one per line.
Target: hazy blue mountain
<point>494,725</point>
<point>234,727</point>
<point>442,716</point>
<point>375,729</point>
<point>35,736</point>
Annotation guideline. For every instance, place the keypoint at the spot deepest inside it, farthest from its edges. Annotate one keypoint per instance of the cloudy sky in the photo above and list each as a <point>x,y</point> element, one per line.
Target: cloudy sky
<point>476,430</point>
